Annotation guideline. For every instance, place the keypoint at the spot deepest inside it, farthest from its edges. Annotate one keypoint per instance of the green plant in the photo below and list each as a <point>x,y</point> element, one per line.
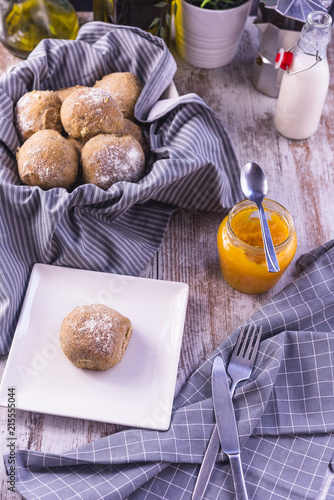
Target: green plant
<point>163,22</point>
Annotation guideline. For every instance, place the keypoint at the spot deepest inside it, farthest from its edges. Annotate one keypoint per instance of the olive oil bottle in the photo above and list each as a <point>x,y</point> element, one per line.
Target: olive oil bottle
<point>24,23</point>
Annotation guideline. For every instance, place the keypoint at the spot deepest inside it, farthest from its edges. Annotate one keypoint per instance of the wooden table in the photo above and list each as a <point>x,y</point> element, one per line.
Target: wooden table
<point>301,178</point>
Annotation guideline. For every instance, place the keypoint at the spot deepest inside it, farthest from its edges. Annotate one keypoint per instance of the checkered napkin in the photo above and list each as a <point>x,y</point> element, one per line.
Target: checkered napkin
<point>284,412</point>
<point>193,166</point>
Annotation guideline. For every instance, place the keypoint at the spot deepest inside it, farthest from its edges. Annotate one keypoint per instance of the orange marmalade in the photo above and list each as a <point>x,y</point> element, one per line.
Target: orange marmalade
<point>240,246</point>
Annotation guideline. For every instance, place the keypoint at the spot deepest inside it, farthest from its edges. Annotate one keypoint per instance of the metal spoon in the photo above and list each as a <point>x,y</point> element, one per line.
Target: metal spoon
<point>254,185</point>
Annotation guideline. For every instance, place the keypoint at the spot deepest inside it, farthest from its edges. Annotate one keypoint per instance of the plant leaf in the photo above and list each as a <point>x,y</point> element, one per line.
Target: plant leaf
<point>168,20</point>
<point>154,22</point>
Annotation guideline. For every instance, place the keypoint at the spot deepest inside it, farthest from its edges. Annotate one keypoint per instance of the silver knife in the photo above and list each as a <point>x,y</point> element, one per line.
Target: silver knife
<point>206,468</point>
<point>227,426</point>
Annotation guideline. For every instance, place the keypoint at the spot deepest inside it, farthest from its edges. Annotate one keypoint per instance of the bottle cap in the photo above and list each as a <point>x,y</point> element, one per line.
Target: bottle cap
<point>283,59</point>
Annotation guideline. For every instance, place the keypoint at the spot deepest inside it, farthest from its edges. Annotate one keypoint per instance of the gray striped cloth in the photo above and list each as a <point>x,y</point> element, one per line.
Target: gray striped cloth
<point>193,165</point>
<point>284,412</point>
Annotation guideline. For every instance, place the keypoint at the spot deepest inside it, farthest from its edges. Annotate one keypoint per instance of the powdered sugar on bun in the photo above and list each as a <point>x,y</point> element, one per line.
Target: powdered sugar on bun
<point>47,160</point>
<point>107,159</point>
<point>37,110</point>
<point>95,336</point>
<point>89,111</point>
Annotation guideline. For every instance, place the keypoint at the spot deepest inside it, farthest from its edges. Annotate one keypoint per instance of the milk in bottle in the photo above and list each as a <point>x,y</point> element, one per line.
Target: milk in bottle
<point>305,83</point>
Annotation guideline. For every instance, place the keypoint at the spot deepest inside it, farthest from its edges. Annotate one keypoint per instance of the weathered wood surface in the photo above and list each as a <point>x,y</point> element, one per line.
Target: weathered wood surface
<point>301,177</point>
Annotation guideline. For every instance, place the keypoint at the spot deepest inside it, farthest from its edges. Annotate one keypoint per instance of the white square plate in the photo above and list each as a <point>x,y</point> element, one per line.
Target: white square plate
<point>139,391</point>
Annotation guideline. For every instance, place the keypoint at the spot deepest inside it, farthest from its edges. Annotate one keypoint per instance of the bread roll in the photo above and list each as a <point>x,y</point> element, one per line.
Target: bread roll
<point>37,110</point>
<point>47,160</point>
<point>133,129</point>
<point>87,112</point>
<point>124,88</point>
<point>107,159</point>
<point>95,336</point>
<point>66,91</point>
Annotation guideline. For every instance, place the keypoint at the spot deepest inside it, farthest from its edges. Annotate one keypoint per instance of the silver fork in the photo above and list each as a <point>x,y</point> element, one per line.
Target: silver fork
<point>239,369</point>
<point>243,356</point>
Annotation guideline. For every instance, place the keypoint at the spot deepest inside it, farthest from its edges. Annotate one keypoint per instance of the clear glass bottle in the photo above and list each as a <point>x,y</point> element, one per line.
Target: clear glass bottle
<point>149,15</point>
<point>305,82</point>
<point>24,23</point>
<point>240,246</point>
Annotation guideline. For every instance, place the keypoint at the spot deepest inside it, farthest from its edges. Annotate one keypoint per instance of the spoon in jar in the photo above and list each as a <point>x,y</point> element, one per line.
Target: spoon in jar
<point>254,185</point>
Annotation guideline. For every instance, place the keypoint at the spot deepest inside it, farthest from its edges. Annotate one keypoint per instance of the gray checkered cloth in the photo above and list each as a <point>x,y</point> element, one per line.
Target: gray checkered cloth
<point>193,165</point>
<point>285,415</point>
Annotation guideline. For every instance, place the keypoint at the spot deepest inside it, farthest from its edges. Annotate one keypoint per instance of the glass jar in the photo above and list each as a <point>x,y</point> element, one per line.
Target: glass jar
<point>24,23</point>
<point>240,246</point>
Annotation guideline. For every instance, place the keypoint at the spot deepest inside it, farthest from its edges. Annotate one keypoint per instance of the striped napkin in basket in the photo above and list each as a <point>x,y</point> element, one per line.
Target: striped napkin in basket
<point>193,165</point>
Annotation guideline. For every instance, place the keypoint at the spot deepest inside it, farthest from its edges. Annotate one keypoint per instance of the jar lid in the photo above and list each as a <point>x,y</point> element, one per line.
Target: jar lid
<point>283,59</point>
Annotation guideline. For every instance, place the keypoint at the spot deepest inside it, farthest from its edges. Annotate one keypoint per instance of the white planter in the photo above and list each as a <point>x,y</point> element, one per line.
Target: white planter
<point>209,38</point>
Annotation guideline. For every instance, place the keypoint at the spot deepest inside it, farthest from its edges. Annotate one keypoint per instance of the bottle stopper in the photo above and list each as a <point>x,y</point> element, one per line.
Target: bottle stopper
<point>283,59</point>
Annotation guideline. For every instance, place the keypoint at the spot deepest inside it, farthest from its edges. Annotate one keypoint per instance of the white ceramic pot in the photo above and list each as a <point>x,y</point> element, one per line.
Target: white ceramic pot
<point>209,38</point>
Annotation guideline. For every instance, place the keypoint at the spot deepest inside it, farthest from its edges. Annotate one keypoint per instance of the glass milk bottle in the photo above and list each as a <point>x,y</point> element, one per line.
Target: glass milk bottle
<point>306,79</point>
